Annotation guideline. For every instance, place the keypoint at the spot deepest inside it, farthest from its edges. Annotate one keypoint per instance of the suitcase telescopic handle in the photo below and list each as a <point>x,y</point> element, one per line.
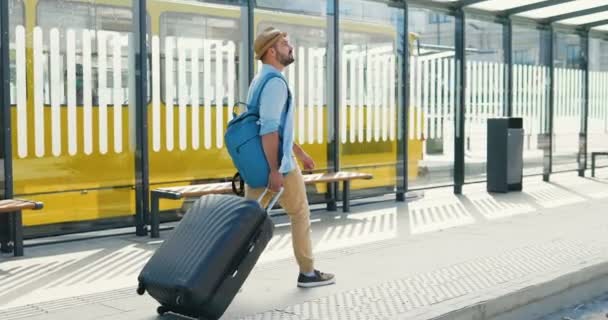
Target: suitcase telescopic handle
<point>273,201</point>
<point>252,244</point>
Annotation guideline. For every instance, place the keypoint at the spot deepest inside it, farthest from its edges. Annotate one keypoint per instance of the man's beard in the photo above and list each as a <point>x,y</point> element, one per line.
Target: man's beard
<point>286,60</point>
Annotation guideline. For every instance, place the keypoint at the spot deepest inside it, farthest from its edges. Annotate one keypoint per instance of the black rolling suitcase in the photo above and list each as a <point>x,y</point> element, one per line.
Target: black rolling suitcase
<point>198,271</point>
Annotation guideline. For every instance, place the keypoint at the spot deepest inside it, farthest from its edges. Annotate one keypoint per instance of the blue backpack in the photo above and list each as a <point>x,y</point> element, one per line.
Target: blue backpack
<point>244,143</point>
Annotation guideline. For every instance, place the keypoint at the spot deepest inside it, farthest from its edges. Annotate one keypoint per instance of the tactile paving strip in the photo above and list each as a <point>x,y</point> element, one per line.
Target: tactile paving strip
<point>395,297</point>
<point>42,308</point>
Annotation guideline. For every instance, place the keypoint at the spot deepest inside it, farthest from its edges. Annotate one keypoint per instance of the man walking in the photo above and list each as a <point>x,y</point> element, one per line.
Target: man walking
<point>272,47</point>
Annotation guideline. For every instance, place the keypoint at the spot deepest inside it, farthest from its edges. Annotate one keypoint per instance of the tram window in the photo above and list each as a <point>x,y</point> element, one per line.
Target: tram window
<point>16,18</point>
<point>381,38</point>
<point>192,30</point>
<point>113,23</point>
<point>317,8</point>
<point>364,43</point>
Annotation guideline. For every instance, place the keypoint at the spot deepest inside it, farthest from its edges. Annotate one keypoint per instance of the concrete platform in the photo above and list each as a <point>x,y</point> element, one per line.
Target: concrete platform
<point>478,255</point>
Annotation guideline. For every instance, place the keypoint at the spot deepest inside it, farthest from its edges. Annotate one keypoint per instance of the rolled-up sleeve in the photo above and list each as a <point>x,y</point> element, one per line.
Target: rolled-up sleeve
<point>272,102</point>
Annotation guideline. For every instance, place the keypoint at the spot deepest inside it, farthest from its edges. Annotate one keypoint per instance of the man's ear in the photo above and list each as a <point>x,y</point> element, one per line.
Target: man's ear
<point>272,48</point>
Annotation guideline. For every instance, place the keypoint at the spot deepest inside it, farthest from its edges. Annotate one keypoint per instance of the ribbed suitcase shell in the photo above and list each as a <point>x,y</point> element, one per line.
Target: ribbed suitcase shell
<point>200,268</point>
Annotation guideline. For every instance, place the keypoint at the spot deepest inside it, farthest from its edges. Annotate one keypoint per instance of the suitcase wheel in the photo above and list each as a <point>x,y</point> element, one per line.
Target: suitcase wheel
<point>141,290</point>
<point>161,310</point>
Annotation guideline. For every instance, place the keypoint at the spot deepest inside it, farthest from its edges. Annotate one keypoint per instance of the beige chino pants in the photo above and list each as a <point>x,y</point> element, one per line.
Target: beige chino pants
<point>295,202</point>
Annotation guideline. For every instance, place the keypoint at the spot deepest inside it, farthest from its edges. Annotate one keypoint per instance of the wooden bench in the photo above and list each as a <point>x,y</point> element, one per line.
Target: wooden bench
<point>593,155</point>
<point>198,190</point>
<point>15,206</point>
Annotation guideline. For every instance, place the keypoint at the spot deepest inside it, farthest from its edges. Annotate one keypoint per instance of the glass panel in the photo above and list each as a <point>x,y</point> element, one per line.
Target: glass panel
<point>432,98</point>
<point>567,113</point>
<point>72,119</point>
<point>484,96</point>
<point>597,132</point>
<point>306,23</point>
<point>370,34</point>
<point>113,25</point>
<point>199,72</point>
<point>186,29</point>
<point>16,18</point>
<point>530,91</point>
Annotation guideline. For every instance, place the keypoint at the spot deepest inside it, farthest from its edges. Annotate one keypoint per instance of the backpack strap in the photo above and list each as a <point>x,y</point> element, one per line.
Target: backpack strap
<point>237,179</point>
<point>255,99</point>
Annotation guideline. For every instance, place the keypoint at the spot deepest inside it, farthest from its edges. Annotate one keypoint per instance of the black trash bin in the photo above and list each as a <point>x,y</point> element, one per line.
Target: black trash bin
<point>505,162</point>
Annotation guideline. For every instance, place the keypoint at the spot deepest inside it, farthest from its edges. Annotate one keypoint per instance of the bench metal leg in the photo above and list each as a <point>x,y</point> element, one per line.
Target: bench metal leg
<point>6,233</point>
<point>18,234</point>
<point>593,165</point>
<point>400,196</point>
<point>332,193</point>
<point>141,217</point>
<point>154,218</point>
<point>141,224</point>
<point>345,196</point>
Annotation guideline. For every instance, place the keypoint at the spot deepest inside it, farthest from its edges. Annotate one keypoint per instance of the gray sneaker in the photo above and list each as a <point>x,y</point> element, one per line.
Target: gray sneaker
<point>319,279</point>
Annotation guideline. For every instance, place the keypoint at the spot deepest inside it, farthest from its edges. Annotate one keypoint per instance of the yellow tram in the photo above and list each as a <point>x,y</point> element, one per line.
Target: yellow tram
<point>73,126</point>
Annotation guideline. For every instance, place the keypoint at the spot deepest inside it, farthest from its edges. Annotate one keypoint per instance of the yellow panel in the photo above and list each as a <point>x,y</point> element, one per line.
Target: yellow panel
<point>81,171</point>
<point>81,206</point>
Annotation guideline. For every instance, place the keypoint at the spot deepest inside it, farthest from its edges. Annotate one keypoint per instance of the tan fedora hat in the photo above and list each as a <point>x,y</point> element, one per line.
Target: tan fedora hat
<point>265,40</point>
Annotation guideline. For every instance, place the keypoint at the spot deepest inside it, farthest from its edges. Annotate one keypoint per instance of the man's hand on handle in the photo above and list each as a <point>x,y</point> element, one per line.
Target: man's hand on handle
<point>275,181</point>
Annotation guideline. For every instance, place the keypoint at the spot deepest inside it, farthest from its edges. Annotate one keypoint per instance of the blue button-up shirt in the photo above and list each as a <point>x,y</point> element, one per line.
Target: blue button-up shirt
<point>273,118</point>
